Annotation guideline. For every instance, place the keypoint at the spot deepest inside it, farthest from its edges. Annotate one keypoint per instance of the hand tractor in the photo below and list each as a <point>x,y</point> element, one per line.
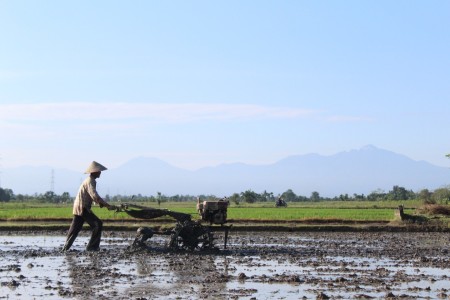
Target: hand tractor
<point>187,234</point>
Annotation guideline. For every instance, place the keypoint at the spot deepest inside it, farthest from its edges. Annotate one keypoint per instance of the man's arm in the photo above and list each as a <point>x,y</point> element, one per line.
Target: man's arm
<point>96,197</point>
<point>102,202</point>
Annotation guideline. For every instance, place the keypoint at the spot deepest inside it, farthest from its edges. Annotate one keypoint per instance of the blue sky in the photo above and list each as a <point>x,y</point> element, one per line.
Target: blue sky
<point>199,83</point>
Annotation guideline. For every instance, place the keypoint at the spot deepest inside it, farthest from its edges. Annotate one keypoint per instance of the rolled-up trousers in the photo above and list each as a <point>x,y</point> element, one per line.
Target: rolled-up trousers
<point>77,224</point>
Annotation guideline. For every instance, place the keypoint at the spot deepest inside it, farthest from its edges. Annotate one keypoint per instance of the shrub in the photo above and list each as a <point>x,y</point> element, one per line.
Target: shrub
<point>433,209</point>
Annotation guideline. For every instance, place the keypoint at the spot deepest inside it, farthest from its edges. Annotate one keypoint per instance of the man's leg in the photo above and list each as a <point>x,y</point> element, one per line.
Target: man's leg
<point>75,228</point>
<point>96,227</point>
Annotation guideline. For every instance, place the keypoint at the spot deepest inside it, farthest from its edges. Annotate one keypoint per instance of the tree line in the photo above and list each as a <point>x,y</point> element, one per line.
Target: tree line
<point>440,196</point>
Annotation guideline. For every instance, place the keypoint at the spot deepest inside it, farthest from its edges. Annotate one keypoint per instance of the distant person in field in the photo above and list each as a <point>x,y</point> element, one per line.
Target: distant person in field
<point>82,212</point>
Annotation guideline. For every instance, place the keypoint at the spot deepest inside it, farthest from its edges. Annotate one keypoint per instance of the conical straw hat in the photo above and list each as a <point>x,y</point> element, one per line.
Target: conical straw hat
<point>95,167</point>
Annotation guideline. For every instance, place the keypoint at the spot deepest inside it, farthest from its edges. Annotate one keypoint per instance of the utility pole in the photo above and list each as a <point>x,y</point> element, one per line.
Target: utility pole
<point>0,172</point>
<point>52,181</point>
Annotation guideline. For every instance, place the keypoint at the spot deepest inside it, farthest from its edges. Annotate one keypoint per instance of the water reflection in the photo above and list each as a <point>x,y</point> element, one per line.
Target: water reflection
<point>83,275</point>
<point>188,276</point>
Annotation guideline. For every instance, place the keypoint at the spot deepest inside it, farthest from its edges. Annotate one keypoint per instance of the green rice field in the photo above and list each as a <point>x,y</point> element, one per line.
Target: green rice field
<point>347,211</point>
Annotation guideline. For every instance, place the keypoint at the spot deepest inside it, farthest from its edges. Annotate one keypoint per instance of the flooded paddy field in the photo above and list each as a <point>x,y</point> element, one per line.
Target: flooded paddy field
<point>255,265</point>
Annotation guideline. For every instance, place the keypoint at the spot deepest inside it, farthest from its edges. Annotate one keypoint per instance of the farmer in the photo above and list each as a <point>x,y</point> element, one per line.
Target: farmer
<point>82,209</point>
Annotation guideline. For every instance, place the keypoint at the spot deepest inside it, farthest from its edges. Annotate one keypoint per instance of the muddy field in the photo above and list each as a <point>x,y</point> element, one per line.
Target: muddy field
<point>262,265</point>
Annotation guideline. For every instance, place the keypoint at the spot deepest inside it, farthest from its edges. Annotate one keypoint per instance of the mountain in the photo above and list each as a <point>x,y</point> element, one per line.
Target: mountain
<point>360,171</point>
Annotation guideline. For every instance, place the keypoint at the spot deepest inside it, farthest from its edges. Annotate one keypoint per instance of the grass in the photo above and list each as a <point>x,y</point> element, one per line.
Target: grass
<point>305,214</point>
<point>341,204</point>
<point>330,210</point>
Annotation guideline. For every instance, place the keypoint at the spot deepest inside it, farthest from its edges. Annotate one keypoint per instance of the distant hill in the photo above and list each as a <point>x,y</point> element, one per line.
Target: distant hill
<point>359,171</point>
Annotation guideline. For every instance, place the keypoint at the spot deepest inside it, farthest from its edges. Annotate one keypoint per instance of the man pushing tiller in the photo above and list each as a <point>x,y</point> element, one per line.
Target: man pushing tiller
<point>82,212</point>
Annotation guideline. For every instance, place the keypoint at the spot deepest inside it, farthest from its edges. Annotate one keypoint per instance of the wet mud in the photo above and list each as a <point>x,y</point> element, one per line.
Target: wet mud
<point>255,265</point>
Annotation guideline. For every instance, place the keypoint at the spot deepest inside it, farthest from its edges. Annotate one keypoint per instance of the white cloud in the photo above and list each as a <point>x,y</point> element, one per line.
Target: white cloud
<point>157,112</point>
